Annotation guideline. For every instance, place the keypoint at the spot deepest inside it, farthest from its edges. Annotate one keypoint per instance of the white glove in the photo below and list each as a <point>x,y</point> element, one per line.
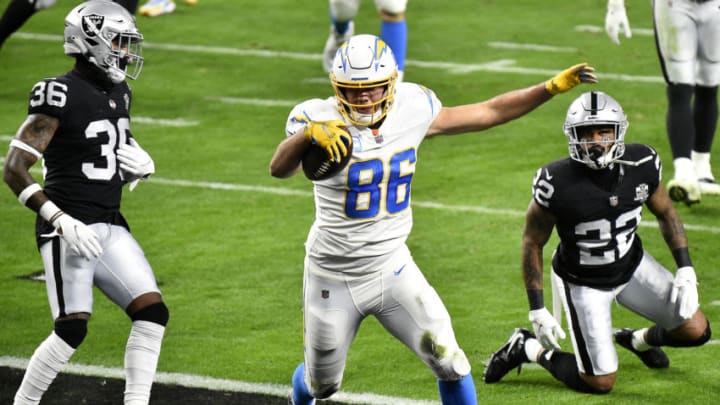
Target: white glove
<point>546,328</point>
<point>135,162</point>
<point>616,19</point>
<point>685,289</point>
<point>82,240</point>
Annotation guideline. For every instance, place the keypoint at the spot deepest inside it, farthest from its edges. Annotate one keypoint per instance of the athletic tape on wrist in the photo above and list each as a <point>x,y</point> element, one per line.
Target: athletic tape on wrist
<point>50,211</point>
<point>28,192</point>
<point>27,148</point>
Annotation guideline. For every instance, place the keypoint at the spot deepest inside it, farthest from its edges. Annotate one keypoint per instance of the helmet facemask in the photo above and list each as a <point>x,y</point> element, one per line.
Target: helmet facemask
<point>364,62</point>
<point>596,110</point>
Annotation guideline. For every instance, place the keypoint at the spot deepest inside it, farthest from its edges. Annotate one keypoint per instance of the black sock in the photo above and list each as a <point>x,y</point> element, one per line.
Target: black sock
<point>706,117</point>
<point>680,123</point>
<point>657,336</point>
<point>16,13</point>
<point>564,368</point>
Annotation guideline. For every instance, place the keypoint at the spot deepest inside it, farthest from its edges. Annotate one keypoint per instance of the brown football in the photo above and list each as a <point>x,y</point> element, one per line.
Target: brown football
<point>317,165</point>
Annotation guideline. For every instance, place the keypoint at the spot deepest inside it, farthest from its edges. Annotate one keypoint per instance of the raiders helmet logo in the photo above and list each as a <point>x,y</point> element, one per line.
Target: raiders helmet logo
<point>91,24</point>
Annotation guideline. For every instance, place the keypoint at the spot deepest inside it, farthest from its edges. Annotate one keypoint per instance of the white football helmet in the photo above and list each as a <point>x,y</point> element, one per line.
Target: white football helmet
<point>595,108</point>
<point>364,61</point>
<point>105,34</point>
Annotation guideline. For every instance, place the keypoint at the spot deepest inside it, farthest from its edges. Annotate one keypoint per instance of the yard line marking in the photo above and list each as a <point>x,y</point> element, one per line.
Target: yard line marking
<point>499,66</point>
<point>478,209</point>
<point>255,101</point>
<point>530,47</point>
<point>199,381</point>
<point>165,122</point>
<point>647,32</point>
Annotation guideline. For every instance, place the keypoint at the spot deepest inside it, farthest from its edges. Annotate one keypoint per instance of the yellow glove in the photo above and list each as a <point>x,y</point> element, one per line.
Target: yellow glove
<point>571,77</point>
<point>331,136</point>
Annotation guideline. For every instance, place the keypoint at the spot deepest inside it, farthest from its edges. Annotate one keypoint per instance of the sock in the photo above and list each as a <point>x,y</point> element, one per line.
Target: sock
<point>680,124</point>
<point>705,112</point>
<point>533,348</point>
<point>684,168</point>
<point>16,13</point>
<point>300,393</point>
<point>460,392</point>
<point>141,357</point>
<point>394,33</point>
<point>638,340</point>
<point>657,336</point>
<point>564,368</point>
<point>45,364</point>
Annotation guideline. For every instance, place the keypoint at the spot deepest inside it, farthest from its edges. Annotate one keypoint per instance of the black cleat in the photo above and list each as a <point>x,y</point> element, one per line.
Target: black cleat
<point>510,356</point>
<point>654,357</point>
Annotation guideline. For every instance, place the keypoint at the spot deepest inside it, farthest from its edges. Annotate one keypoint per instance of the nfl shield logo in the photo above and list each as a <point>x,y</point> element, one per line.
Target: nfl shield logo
<point>613,201</point>
<point>325,294</point>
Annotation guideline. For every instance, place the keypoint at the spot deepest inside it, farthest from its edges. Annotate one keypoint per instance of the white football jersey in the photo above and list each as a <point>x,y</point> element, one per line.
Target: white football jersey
<point>364,212</point>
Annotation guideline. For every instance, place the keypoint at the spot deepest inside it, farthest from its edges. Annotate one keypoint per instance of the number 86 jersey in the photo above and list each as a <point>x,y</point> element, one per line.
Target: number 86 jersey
<point>363,212</point>
<point>597,214</point>
<point>81,171</point>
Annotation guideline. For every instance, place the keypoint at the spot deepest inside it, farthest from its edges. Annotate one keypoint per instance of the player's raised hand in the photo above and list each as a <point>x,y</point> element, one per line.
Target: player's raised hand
<point>571,77</point>
<point>616,20</point>
<point>331,136</point>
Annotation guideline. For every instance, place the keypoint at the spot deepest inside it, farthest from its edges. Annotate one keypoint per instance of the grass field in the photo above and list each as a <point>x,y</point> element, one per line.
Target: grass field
<point>226,239</point>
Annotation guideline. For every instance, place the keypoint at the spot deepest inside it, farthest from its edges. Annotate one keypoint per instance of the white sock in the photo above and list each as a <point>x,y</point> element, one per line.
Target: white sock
<point>638,340</point>
<point>141,358</point>
<point>702,165</point>
<point>684,169</point>
<point>45,364</point>
<point>533,348</point>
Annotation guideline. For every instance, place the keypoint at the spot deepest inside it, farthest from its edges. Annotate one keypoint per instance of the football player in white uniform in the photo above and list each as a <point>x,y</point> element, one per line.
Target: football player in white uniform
<point>393,29</point>
<point>357,262</point>
<point>595,199</point>
<point>79,124</point>
<point>687,37</point>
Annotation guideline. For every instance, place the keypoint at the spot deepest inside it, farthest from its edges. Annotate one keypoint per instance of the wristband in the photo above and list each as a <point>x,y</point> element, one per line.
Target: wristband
<point>535,298</point>
<point>682,257</point>
<point>28,192</point>
<point>50,211</point>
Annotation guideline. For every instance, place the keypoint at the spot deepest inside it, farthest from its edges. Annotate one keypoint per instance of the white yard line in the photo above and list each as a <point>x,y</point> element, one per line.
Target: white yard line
<point>500,66</point>
<point>199,381</point>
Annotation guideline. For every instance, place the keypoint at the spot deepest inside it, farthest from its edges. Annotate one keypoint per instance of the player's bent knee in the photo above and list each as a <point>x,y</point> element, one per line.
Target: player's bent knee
<point>157,313</point>
<point>43,4</point>
<point>392,7</point>
<point>72,331</point>
<point>344,10</point>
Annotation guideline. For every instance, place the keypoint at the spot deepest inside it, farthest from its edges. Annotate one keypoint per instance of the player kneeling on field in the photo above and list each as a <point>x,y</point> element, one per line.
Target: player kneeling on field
<point>594,198</point>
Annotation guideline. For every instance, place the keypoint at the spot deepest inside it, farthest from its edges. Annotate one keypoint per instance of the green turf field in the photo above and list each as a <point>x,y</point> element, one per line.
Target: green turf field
<point>226,239</point>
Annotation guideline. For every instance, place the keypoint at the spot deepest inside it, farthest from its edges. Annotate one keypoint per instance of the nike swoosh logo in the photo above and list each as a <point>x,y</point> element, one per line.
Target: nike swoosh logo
<point>398,271</point>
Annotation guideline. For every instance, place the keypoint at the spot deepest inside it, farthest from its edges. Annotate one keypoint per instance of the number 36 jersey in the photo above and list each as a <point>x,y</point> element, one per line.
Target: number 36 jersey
<point>597,214</point>
<point>80,168</point>
<point>363,212</point>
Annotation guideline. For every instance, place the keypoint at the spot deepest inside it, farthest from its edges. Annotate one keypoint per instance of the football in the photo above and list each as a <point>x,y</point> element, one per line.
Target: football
<point>317,165</point>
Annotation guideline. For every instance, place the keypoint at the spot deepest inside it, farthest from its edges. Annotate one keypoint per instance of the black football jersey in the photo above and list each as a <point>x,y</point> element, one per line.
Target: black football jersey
<point>80,164</point>
<point>598,212</point>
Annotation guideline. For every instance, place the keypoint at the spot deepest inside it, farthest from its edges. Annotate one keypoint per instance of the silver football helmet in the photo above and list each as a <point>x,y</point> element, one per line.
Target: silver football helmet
<point>105,34</point>
<point>364,61</point>
<point>595,108</point>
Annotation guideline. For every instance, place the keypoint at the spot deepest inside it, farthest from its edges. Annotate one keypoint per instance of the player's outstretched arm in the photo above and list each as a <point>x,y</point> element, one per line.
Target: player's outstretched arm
<point>616,20</point>
<point>508,106</point>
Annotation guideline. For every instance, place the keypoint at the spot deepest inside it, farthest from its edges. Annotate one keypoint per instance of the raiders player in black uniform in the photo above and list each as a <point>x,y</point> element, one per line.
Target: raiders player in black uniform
<point>594,199</point>
<point>79,124</point>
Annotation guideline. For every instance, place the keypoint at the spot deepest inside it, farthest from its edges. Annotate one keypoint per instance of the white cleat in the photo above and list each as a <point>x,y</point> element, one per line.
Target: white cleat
<point>708,186</point>
<point>155,8</point>
<point>334,41</point>
<point>684,190</point>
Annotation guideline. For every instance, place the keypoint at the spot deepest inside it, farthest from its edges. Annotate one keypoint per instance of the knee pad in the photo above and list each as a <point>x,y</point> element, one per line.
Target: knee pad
<point>43,4</point>
<point>157,313</point>
<point>72,331</point>
<point>344,10</point>
<point>705,337</point>
<point>391,6</point>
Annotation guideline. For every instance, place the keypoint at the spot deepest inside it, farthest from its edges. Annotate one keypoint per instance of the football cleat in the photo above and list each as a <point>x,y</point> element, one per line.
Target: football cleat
<point>654,357</point>
<point>510,356</point>
<point>684,190</point>
<point>709,186</point>
<point>334,41</point>
<point>155,8</point>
